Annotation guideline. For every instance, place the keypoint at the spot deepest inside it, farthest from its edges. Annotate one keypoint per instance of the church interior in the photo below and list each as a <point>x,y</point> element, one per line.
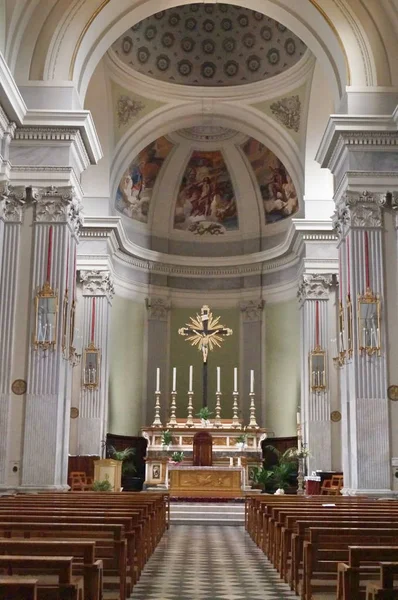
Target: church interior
<point>199,276</point>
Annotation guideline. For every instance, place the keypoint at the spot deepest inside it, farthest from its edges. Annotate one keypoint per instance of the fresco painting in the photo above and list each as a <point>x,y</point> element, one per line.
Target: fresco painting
<point>206,201</point>
<point>277,189</point>
<point>136,186</point>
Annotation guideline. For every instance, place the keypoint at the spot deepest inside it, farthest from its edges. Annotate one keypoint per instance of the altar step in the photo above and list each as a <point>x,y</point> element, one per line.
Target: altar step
<point>198,513</point>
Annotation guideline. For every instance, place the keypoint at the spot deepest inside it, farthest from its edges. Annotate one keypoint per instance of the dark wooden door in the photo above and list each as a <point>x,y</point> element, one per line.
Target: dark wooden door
<point>202,449</point>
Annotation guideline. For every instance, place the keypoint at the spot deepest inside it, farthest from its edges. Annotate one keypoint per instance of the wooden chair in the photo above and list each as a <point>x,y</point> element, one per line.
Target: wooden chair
<point>80,482</point>
<point>332,487</point>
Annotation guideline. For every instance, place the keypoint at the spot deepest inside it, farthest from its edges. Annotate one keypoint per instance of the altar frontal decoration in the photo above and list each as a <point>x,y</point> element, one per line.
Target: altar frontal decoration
<point>46,308</point>
<point>206,333</point>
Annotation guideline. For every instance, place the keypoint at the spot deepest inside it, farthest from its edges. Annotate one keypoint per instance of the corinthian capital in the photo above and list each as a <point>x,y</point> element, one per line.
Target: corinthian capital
<point>314,287</point>
<point>97,283</point>
<point>359,210</point>
<point>12,201</point>
<point>57,205</point>
<point>157,308</point>
<point>252,310</point>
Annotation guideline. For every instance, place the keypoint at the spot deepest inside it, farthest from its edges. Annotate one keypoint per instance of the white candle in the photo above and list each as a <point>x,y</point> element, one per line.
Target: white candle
<point>218,380</point>
<point>298,417</point>
<point>251,381</point>
<point>174,379</point>
<point>158,379</point>
<point>190,378</point>
<point>235,380</point>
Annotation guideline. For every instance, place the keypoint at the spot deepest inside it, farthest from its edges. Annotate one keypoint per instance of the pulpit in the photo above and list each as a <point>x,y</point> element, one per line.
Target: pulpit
<point>202,449</point>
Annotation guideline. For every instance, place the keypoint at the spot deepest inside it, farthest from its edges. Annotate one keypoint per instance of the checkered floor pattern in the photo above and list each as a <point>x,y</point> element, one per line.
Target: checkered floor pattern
<point>195,562</point>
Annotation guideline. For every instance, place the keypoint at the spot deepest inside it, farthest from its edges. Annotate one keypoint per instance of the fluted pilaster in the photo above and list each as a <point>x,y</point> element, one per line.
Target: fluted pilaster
<point>93,403</point>
<point>158,333</point>
<point>252,357</point>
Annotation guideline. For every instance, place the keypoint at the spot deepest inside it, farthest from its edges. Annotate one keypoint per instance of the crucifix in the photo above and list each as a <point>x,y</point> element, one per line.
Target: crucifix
<point>205,332</point>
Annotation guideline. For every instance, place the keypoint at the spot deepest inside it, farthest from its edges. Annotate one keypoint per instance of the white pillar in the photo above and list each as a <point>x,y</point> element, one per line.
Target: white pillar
<point>11,213</point>
<point>93,403</point>
<point>313,296</point>
<point>47,414</point>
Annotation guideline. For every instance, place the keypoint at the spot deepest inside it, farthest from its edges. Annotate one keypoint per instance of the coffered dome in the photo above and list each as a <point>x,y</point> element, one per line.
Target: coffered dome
<point>209,45</point>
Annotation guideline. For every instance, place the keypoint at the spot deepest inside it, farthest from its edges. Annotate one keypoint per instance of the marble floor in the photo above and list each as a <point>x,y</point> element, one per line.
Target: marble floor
<point>209,562</point>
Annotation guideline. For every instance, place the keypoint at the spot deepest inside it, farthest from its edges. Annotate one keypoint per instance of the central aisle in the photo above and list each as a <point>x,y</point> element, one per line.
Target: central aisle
<point>209,562</point>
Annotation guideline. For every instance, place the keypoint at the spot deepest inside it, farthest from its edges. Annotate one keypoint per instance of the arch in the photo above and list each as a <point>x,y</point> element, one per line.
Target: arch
<point>85,30</point>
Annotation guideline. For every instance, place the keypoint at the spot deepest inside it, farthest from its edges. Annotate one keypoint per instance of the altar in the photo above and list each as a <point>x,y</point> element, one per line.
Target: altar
<point>217,482</point>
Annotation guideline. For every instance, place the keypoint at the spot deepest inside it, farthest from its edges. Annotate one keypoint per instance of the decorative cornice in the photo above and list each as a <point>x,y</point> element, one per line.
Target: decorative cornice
<point>12,201</point>
<point>314,287</point>
<point>157,308</point>
<point>359,210</point>
<point>57,205</point>
<point>252,310</point>
<point>97,283</point>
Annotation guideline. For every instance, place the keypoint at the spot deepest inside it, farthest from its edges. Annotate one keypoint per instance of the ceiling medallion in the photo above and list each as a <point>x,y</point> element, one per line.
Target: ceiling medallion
<point>207,133</point>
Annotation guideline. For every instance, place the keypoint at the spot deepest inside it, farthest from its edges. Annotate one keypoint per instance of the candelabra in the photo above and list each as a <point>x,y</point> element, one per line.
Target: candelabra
<point>235,419</point>
<point>252,423</point>
<point>217,420</point>
<point>173,406</point>
<point>157,422</point>
<point>300,477</point>
<point>190,422</point>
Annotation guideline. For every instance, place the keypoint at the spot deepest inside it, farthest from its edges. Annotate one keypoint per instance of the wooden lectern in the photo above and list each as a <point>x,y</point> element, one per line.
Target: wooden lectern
<point>202,449</point>
<point>110,469</point>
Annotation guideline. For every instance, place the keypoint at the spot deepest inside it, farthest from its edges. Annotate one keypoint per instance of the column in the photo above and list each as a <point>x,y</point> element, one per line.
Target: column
<point>12,200</point>
<point>98,292</point>
<point>313,296</point>
<point>252,358</point>
<point>158,333</point>
<point>56,226</point>
<point>366,444</point>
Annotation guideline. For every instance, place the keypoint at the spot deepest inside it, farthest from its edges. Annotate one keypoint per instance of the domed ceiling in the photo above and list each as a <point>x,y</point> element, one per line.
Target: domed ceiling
<point>201,186</point>
<point>209,45</point>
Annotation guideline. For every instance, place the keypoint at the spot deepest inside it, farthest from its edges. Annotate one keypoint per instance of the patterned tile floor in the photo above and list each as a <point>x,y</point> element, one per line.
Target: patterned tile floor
<point>210,562</point>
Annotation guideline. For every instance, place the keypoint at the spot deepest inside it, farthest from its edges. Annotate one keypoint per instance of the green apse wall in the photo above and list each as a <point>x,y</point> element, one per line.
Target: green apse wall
<point>182,355</point>
<point>126,366</point>
<point>282,371</point>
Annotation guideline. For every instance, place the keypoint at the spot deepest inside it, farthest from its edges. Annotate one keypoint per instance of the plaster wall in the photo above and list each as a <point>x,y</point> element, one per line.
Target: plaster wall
<point>282,366</point>
<point>126,366</point>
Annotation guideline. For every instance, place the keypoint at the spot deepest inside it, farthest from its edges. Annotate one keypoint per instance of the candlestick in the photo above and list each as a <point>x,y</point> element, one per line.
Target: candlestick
<point>190,422</point>
<point>252,422</point>
<point>218,380</point>
<point>157,380</point>
<point>298,417</point>
<point>235,418</point>
<point>190,378</point>
<point>174,380</point>
<point>217,420</point>
<point>251,381</point>
<point>173,406</point>
<point>157,422</point>
<point>235,380</point>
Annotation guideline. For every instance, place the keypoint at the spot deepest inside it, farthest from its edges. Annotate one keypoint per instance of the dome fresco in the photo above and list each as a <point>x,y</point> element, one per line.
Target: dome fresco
<point>209,45</point>
<point>203,196</point>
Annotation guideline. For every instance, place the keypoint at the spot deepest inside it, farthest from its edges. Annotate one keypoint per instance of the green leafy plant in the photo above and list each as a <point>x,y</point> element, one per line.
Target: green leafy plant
<point>261,476</point>
<point>177,457</point>
<point>126,456</point>
<point>241,439</point>
<point>167,438</point>
<point>204,413</point>
<point>282,473</point>
<point>102,486</point>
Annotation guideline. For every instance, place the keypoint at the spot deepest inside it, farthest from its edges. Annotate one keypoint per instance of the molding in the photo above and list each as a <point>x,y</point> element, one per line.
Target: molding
<point>97,283</point>
<point>314,287</point>
<point>10,96</point>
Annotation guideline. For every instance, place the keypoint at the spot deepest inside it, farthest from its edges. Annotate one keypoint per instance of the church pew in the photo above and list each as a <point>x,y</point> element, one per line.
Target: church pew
<point>384,588</point>
<point>46,568</point>
<point>13,587</point>
<point>111,545</point>
<point>82,551</point>
<point>329,546</point>
<point>362,561</point>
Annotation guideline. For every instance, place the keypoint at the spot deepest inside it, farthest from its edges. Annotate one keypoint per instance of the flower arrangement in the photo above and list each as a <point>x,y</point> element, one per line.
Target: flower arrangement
<point>167,438</point>
<point>177,457</point>
<point>204,413</point>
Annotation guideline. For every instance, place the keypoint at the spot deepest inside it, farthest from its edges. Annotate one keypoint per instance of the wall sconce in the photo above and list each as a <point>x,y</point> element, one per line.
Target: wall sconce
<point>46,318</point>
<point>317,366</point>
<point>91,367</point>
<point>369,341</point>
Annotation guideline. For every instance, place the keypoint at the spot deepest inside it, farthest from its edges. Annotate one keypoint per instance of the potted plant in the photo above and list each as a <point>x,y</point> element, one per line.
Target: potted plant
<point>278,478</point>
<point>241,441</point>
<point>129,482</point>
<point>177,457</point>
<point>167,439</point>
<point>204,414</point>
<point>102,486</point>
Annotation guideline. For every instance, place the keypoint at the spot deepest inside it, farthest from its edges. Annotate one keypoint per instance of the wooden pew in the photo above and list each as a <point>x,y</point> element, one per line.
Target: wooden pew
<point>58,566</point>
<point>83,552</point>
<point>18,588</point>
<point>384,588</point>
<point>327,547</point>
<point>362,560</point>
